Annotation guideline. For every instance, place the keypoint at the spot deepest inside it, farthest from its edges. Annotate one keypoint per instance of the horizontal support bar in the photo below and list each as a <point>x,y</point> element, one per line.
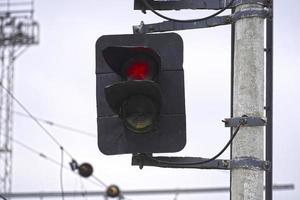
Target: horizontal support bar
<point>246,121</point>
<point>56,194</point>
<point>192,4</point>
<point>250,163</point>
<point>177,26</point>
<point>142,160</point>
<point>212,22</point>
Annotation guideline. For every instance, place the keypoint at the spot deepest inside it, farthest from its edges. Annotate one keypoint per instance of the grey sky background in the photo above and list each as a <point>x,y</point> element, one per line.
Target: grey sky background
<point>56,80</point>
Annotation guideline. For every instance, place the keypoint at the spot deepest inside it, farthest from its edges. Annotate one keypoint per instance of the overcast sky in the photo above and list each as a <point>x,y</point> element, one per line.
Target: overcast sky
<point>56,80</point>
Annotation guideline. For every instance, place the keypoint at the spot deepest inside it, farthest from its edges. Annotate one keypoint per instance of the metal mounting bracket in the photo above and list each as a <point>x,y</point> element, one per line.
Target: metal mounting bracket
<point>194,4</point>
<point>250,163</point>
<point>245,120</point>
<point>142,160</point>
<point>212,22</point>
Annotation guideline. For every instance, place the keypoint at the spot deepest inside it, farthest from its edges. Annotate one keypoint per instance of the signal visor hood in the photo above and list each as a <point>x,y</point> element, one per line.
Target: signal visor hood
<point>115,57</point>
<point>116,93</point>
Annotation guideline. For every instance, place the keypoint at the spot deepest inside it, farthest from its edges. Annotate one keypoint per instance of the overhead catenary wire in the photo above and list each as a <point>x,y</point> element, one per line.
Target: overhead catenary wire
<point>145,2</point>
<point>44,129</point>
<point>50,159</point>
<point>36,121</point>
<point>46,157</point>
<point>99,181</point>
<point>58,125</point>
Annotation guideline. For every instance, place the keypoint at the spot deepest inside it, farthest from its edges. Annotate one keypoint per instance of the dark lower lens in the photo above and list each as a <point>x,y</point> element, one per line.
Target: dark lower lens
<point>139,114</point>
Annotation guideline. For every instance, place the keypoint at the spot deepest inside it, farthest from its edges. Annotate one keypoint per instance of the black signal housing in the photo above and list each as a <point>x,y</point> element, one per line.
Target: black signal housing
<point>140,93</point>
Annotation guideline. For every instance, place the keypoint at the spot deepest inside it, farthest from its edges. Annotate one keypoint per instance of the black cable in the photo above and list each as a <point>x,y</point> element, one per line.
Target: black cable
<point>51,123</point>
<point>46,157</point>
<point>61,174</point>
<point>34,119</point>
<point>41,126</point>
<point>199,162</point>
<point>35,151</point>
<point>2,197</point>
<point>99,181</point>
<point>187,20</point>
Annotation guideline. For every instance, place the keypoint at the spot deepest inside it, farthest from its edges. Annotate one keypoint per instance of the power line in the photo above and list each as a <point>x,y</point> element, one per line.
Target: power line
<point>43,128</point>
<point>99,181</point>
<point>46,157</point>
<point>59,125</point>
<point>36,121</point>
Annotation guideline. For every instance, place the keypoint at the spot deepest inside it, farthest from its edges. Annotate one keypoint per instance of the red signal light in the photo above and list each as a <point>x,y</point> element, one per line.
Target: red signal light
<point>138,70</point>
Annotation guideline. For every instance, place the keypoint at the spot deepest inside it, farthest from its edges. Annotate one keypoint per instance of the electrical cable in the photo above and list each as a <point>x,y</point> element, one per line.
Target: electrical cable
<point>36,121</point>
<point>99,181</point>
<point>46,157</point>
<point>199,162</point>
<point>96,179</point>
<point>40,125</point>
<point>2,197</point>
<point>62,126</point>
<point>187,20</point>
<point>61,174</point>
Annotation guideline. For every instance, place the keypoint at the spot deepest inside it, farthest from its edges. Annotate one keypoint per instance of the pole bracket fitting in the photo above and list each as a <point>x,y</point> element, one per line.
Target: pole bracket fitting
<point>264,3</point>
<point>245,121</point>
<point>250,163</point>
<point>249,13</point>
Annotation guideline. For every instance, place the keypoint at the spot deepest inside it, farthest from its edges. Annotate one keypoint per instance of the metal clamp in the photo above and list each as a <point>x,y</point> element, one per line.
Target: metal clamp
<point>250,163</point>
<point>249,13</point>
<point>245,121</point>
<point>258,2</point>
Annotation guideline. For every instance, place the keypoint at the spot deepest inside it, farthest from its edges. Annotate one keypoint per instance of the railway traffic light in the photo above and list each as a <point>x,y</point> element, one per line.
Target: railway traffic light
<point>140,93</point>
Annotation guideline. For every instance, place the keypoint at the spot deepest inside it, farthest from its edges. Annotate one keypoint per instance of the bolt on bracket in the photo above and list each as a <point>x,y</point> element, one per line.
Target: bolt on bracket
<point>245,121</point>
<point>250,163</point>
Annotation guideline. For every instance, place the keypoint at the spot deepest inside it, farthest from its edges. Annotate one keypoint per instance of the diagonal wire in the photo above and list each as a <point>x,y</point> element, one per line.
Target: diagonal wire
<point>2,197</point>
<point>95,180</point>
<point>44,129</point>
<point>99,181</point>
<point>62,126</point>
<point>46,157</point>
<point>36,121</point>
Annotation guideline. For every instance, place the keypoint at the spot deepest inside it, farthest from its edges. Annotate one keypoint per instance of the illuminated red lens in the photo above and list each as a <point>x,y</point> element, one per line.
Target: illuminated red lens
<point>138,70</point>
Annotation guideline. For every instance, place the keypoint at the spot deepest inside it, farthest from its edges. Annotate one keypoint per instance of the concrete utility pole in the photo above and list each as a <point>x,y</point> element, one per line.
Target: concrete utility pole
<point>248,99</point>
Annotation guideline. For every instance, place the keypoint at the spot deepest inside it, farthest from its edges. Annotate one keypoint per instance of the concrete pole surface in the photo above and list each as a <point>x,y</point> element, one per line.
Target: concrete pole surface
<point>248,99</point>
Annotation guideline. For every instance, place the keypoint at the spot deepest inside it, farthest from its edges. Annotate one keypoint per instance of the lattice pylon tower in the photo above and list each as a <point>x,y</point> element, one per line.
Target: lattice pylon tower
<point>18,31</point>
